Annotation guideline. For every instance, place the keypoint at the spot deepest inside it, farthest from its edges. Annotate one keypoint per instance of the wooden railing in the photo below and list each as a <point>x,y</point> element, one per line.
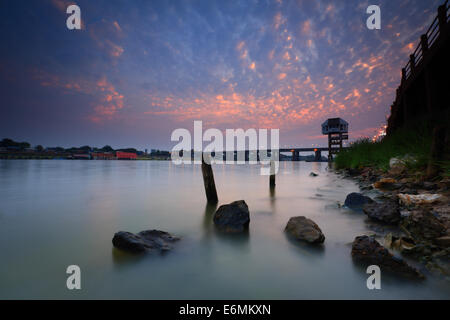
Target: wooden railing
<point>427,40</point>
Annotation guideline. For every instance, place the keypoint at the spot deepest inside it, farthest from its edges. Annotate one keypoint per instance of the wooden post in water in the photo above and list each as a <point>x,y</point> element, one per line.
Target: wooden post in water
<point>272,174</point>
<point>208,181</point>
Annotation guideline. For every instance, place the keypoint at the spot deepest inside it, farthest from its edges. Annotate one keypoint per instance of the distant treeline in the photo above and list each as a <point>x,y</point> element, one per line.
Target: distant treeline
<point>11,145</point>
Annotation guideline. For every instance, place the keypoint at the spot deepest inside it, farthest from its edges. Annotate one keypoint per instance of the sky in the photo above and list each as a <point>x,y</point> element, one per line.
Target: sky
<point>139,69</point>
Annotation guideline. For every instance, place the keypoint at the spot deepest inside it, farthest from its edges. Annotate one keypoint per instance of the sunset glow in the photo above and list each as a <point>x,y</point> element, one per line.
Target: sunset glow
<point>136,72</point>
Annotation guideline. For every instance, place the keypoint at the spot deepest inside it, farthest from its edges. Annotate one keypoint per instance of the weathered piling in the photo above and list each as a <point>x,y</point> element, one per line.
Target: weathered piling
<point>272,174</point>
<point>208,181</point>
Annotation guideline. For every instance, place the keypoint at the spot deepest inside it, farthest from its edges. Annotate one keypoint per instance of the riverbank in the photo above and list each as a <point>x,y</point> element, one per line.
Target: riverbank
<point>411,215</point>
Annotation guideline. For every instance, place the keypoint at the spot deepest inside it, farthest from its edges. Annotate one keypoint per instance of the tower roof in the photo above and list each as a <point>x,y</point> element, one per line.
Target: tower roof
<point>334,122</point>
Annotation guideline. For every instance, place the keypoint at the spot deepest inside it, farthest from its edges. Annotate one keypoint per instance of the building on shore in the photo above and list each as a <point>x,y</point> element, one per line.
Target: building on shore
<point>103,155</point>
<point>120,155</point>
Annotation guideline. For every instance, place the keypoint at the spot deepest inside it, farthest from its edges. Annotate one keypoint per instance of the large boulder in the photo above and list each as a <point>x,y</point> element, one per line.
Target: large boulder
<point>356,200</point>
<point>149,240</point>
<point>387,212</point>
<point>233,217</point>
<point>304,229</point>
<point>368,251</point>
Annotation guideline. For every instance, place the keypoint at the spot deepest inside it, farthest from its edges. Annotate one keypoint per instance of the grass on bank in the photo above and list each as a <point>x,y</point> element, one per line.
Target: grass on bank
<point>413,141</point>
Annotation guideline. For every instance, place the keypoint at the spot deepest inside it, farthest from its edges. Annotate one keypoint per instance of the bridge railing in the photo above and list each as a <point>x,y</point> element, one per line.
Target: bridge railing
<point>427,40</point>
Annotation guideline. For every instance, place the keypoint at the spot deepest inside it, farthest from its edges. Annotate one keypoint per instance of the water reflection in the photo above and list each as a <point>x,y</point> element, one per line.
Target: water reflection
<point>272,197</point>
<point>208,215</point>
<point>75,207</point>
<point>305,248</point>
<point>123,259</point>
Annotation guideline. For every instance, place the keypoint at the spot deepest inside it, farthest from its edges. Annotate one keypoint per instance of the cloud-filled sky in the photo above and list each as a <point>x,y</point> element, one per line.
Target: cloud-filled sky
<point>139,69</point>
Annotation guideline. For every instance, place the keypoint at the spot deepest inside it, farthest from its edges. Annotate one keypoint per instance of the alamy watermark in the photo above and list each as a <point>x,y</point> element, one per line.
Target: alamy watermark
<point>374,20</point>
<point>73,22</point>
<point>74,280</point>
<point>239,147</point>
<point>374,281</point>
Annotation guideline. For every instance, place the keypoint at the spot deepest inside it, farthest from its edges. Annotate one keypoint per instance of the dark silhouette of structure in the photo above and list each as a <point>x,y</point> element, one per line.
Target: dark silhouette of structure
<point>337,131</point>
<point>424,89</point>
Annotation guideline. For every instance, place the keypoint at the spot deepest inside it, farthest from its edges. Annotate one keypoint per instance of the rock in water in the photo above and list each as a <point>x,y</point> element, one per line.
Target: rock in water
<point>356,200</point>
<point>149,240</point>
<point>368,251</point>
<point>233,217</point>
<point>302,228</point>
<point>387,212</point>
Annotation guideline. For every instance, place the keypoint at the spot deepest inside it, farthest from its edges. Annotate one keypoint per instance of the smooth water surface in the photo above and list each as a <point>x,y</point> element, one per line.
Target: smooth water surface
<point>56,213</point>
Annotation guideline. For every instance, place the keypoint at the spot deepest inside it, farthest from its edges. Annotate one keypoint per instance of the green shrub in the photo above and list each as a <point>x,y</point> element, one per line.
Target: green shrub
<point>414,141</point>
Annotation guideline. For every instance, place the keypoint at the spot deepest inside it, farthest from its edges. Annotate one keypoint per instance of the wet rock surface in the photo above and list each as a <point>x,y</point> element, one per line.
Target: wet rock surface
<point>149,240</point>
<point>368,251</point>
<point>233,217</point>
<point>386,212</point>
<point>304,229</point>
<point>422,229</point>
<point>423,225</point>
<point>356,200</point>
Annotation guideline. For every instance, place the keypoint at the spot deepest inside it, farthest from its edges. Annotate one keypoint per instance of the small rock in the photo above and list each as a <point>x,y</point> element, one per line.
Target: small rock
<point>233,217</point>
<point>352,172</point>
<point>405,213</point>
<point>407,190</point>
<point>302,228</point>
<point>149,240</point>
<point>368,251</point>
<point>419,199</point>
<point>423,225</point>
<point>398,243</point>
<point>356,200</point>
<point>387,212</point>
<point>443,241</point>
<point>387,184</point>
<point>430,186</point>
<point>394,162</point>
<point>312,174</point>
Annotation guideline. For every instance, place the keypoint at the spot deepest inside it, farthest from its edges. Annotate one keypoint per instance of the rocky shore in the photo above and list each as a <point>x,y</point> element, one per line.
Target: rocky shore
<point>409,215</point>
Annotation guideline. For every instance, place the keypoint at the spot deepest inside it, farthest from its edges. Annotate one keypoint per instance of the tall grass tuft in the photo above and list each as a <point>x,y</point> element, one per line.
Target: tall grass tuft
<point>414,141</point>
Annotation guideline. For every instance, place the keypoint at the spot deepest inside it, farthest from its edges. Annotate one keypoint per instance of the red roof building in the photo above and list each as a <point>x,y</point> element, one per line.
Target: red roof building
<point>120,155</point>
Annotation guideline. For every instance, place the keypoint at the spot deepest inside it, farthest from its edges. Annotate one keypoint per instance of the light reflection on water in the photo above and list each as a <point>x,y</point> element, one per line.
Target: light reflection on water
<point>57,213</point>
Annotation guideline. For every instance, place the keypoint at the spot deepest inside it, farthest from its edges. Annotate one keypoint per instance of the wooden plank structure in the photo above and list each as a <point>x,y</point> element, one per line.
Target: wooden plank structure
<point>423,90</point>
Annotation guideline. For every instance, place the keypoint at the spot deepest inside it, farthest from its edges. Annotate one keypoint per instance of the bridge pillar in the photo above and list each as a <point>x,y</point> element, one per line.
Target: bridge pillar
<point>295,155</point>
<point>317,155</point>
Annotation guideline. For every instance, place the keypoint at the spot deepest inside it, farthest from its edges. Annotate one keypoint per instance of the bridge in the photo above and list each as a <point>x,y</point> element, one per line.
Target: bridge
<point>295,151</point>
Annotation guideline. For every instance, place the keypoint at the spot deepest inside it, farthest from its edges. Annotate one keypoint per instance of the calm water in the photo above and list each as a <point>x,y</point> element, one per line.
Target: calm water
<point>57,213</point>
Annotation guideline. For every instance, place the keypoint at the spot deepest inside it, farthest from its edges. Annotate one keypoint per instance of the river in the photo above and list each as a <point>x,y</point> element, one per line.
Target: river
<point>56,213</point>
